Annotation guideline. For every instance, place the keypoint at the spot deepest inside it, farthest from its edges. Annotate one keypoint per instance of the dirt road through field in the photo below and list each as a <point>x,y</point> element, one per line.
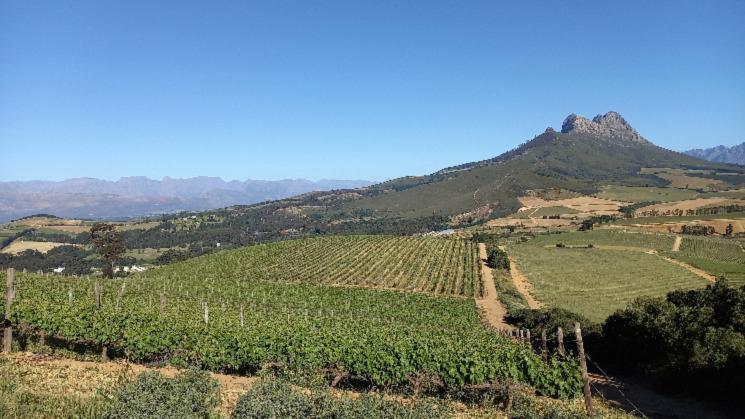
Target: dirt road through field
<point>676,245</point>
<point>489,303</point>
<point>523,286</point>
<point>689,268</point>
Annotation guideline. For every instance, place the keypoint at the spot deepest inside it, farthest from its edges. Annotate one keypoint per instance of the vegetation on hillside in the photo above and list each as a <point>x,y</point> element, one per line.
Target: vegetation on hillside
<point>692,341</point>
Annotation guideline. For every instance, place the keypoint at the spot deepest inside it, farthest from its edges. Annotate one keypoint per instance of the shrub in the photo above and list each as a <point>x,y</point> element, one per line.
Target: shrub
<point>276,398</point>
<point>193,394</point>
<point>690,341</point>
<point>497,258</point>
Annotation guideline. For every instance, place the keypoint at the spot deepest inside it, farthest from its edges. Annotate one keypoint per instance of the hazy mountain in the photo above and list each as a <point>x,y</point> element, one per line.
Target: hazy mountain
<point>722,154</point>
<point>138,196</point>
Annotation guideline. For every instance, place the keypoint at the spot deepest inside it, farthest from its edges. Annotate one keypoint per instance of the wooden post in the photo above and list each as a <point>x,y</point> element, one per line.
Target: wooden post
<point>97,293</point>
<point>560,338</point>
<point>544,344</point>
<point>583,366</point>
<point>42,340</point>
<point>104,353</point>
<point>8,333</point>
<point>69,296</point>
<point>206,314</point>
<point>162,304</point>
<point>527,337</point>
<point>241,315</point>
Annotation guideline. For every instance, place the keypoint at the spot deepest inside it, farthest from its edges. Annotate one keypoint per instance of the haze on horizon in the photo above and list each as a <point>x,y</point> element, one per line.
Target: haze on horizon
<point>342,90</point>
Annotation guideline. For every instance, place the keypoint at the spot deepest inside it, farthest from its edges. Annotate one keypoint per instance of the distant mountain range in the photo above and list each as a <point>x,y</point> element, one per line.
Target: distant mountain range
<point>721,154</point>
<point>140,196</point>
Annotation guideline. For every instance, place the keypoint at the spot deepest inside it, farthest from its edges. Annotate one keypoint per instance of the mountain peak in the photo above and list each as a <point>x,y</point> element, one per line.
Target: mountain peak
<point>610,125</point>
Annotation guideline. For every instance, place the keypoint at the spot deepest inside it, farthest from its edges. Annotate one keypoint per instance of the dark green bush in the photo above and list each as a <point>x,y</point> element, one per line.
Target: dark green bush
<point>276,398</point>
<point>497,258</point>
<point>193,394</point>
<point>691,341</point>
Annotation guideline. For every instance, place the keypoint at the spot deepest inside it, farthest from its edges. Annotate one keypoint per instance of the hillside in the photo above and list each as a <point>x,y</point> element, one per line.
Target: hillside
<point>721,154</point>
<point>583,156</point>
<point>140,196</point>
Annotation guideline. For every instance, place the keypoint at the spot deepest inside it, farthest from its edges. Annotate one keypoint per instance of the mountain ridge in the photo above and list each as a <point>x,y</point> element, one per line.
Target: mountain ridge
<point>137,196</point>
<point>721,154</point>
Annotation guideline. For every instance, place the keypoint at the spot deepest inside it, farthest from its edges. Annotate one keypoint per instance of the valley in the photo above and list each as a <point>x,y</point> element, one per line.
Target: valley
<point>412,284</point>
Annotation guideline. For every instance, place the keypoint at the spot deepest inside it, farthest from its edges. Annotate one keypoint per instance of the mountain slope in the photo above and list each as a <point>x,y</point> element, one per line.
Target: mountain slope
<point>721,154</point>
<point>582,157</point>
<point>140,196</point>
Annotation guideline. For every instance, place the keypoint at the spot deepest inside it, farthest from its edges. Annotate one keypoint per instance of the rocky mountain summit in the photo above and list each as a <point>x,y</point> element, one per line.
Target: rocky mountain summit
<point>611,126</point>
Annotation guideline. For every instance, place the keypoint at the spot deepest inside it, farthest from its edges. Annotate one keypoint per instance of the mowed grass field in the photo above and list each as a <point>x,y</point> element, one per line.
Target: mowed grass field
<point>597,281</point>
<point>430,265</point>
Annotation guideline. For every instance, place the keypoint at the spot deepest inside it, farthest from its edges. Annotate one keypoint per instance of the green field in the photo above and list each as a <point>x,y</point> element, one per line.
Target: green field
<point>434,265</point>
<point>597,281</point>
<point>614,238</point>
<point>642,194</point>
<point>718,256</point>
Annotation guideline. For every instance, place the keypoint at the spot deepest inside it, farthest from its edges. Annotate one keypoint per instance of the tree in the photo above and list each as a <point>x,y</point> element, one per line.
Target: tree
<point>729,230</point>
<point>108,243</point>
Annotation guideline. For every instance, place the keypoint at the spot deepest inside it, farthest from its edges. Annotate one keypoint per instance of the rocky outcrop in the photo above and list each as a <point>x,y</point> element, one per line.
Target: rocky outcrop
<point>608,126</point>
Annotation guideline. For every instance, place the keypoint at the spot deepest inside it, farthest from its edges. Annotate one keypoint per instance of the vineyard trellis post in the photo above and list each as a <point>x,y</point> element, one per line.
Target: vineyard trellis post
<point>583,366</point>
<point>241,315</point>
<point>97,293</point>
<point>544,345</point>
<point>162,311</point>
<point>560,339</point>
<point>8,332</point>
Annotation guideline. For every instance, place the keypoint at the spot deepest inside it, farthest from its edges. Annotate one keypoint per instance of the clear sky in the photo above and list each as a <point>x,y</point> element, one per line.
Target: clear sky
<point>349,89</point>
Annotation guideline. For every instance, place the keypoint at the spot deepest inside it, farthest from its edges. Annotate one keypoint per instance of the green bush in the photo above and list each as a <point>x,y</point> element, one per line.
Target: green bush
<point>193,394</point>
<point>497,258</point>
<point>692,341</point>
<point>276,398</point>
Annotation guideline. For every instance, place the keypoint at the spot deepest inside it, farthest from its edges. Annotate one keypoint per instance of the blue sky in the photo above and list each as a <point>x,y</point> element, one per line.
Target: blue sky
<point>349,89</point>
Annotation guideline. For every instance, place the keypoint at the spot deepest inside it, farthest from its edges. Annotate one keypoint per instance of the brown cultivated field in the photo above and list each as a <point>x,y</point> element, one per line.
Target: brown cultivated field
<point>19,246</point>
<point>584,205</point>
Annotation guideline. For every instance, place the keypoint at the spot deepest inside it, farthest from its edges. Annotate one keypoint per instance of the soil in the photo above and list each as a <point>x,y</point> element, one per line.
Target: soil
<point>489,303</point>
<point>678,242</point>
<point>19,246</point>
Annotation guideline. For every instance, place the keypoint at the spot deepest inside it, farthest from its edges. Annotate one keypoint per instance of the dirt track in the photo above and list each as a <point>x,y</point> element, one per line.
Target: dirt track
<point>689,268</point>
<point>678,242</point>
<point>489,303</point>
<point>522,284</point>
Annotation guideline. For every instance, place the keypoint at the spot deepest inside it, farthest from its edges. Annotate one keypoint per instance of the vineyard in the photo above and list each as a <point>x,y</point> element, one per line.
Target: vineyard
<point>718,256</point>
<point>614,238</point>
<point>432,265</point>
<point>596,281</point>
<point>234,324</point>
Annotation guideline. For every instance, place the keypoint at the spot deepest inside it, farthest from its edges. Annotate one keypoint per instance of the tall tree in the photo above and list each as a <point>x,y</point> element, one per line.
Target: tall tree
<point>729,230</point>
<point>108,243</point>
